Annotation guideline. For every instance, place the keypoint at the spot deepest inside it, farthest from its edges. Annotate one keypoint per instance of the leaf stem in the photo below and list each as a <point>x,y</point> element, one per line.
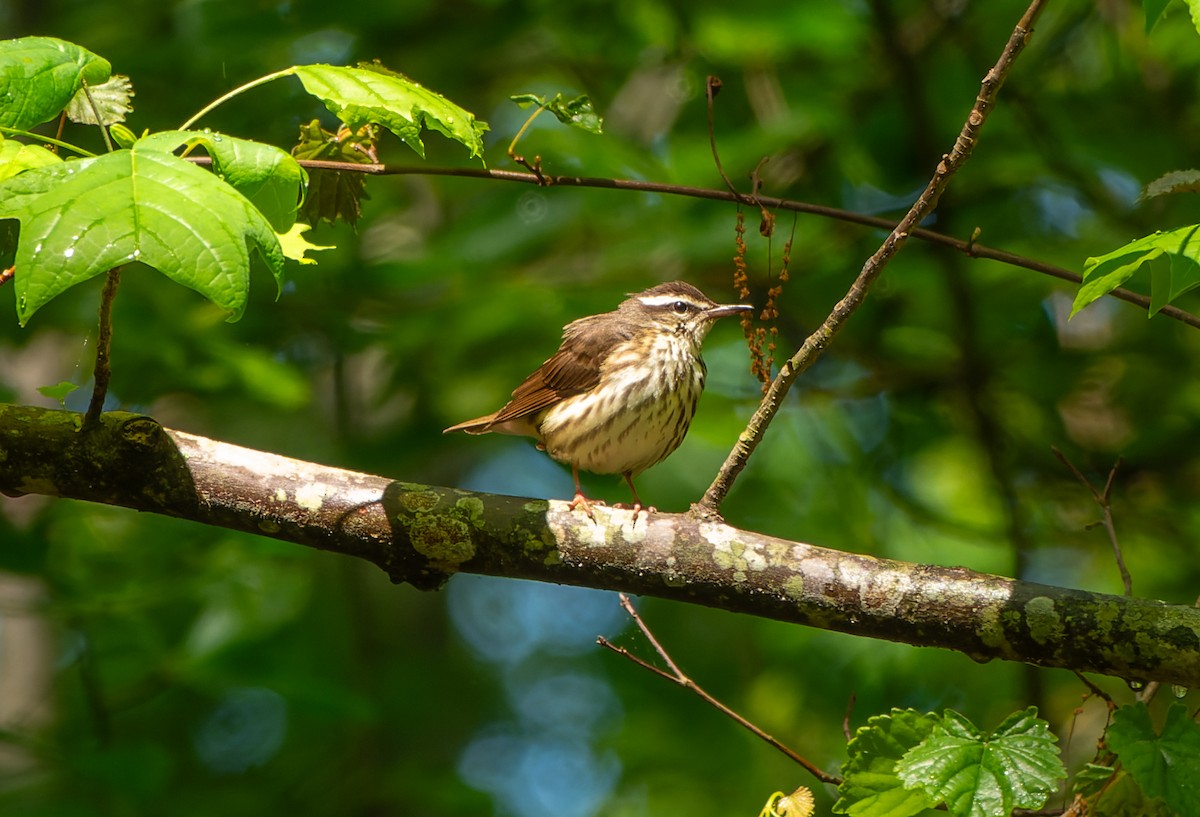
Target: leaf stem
<point>103,371</point>
<point>235,92</point>
<point>87,91</point>
<point>47,139</point>
<point>512,146</point>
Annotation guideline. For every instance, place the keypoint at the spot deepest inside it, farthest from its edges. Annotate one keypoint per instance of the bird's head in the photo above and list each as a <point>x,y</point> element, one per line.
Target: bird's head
<point>678,308</point>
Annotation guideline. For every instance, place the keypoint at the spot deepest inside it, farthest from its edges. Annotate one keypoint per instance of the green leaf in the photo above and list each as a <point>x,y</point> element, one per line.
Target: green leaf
<point>1124,798</point>
<point>1091,778</point>
<point>111,99</point>
<point>986,775</point>
<point>1107,272</point>
<point>577,112</point>
<point>371,94</point>
<point>16,157</point>
<point>1165,765</point>
<point>334,194</point>
<point>59,391</point>
<point>870,786</point>
<point>40,75</point>
<point>81,218</point>
<point>1153,10</point>
<point>269,177</point>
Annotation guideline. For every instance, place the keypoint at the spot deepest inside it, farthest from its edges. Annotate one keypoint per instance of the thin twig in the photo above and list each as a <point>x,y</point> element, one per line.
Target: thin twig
<point>103,371</point>
<point>1104,500</point>
<point>712,87</point>
<point>846,717</point>
<point>677,676</point>
<point>816,343</point>
<point>969,247</point>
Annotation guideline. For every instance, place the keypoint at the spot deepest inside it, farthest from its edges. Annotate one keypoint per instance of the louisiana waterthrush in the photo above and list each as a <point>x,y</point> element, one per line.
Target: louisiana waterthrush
<point>618,395</point>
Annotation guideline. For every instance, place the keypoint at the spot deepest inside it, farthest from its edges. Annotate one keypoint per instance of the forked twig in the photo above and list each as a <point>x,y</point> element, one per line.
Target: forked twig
<point>103,371</point>
<point>816,343</point>
<point>1104,500</point>
<point>677,676</point>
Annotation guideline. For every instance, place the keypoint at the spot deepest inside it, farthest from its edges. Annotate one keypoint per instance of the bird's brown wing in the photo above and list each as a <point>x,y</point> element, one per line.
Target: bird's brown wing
<point>573,369</point>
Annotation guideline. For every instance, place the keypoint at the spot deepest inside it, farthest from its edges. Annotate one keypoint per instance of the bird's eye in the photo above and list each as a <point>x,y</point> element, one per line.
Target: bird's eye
<point>680,307</point>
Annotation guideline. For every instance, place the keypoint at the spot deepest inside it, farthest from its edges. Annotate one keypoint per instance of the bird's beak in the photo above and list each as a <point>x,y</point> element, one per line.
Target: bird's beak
<point>727,309</point>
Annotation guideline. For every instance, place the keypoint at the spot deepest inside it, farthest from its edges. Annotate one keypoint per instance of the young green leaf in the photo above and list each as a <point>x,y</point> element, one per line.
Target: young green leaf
<point>577,112</point>
<point>16,157</point>
<point>111,99</point>
<point>372,94</point>
<point>870,786</point>
<point>40,75</point>
<point>81,218</point>
<point>335,194</point>
<point>986,775</point>
<point>59,391</point>
<point>1107,272</point>
<point>1165,765</point>
<point>269,177</point>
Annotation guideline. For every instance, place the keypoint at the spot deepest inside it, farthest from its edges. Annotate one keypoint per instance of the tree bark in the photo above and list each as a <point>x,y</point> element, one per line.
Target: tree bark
<point>423,534</point>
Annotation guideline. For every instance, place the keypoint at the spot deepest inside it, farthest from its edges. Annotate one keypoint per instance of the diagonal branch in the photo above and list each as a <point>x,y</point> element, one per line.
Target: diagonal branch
<point>925,204</point>
<point>677,676</point>
<point>422,534</point>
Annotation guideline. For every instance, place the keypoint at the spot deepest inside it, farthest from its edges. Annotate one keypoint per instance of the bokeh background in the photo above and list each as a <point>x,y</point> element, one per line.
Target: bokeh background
<point>152,666</point>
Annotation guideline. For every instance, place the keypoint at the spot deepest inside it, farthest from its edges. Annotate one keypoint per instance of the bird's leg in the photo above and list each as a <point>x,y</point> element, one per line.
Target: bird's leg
<point>580,500</point>
<point>638,507</point>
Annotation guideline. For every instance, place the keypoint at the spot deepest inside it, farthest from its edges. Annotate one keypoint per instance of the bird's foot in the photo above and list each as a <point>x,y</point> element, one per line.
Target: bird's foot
<point>637,508</point>
<point>581,501</point>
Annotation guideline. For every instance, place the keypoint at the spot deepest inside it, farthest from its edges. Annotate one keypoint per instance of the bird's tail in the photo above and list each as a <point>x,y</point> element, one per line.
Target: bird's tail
<point>480,425</point>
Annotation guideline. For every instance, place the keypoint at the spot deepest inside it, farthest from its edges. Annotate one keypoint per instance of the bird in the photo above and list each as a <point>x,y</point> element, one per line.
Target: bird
<point>619,394</point>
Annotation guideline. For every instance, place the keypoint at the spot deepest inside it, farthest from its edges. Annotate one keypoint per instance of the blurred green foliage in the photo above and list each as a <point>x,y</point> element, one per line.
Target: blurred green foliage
<point>173,669</point>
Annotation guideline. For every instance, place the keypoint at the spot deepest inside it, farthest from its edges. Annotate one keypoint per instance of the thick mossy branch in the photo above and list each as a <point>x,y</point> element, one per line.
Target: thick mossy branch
<point>421,534</point>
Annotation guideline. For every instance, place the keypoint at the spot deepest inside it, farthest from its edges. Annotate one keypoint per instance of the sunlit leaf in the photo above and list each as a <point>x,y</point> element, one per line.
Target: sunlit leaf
<point>40,75</point>
<point>577,112</point>
<point>81,218</point>
<point>16,157</point>
<point>1165,765</point>
<point>986,775</point>
<point>1105,273</point>
<point>371,94</point>
<point>269,177</point>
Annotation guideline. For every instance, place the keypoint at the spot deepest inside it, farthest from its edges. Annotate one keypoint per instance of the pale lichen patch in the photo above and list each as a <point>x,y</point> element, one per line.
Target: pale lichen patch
<point>1044,622</point>
<point>310,496</point>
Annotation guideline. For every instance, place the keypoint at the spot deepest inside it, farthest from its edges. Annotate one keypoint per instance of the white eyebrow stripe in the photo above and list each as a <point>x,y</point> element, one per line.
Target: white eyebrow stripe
<point>667,300</point>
